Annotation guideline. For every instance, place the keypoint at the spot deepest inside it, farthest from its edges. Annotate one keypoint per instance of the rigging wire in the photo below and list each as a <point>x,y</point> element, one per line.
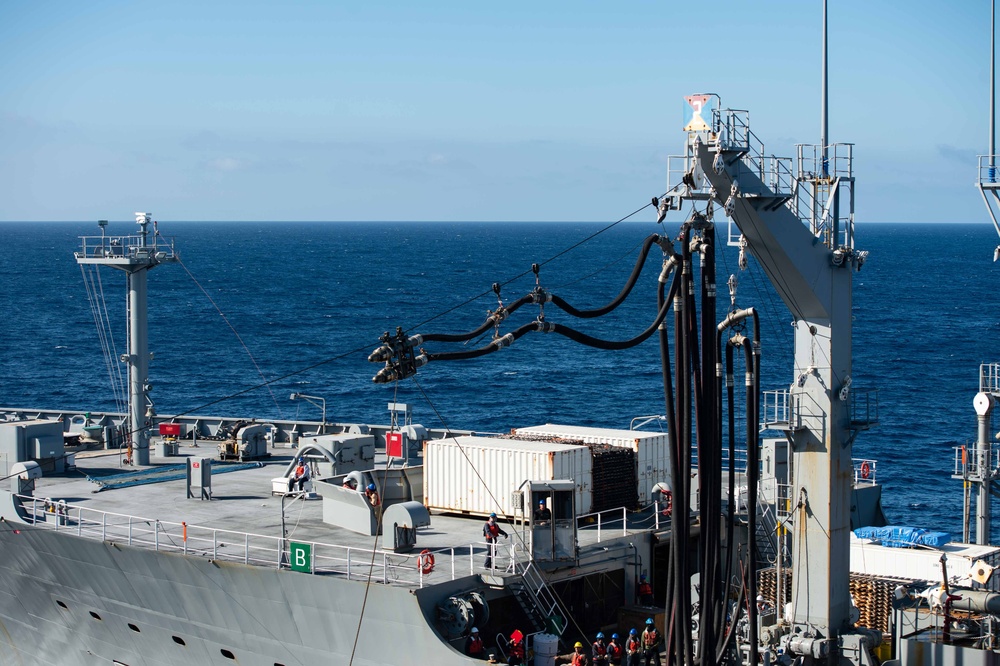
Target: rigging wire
<point>98,309</point>
<point>233,329</point>
<point>539,264</point>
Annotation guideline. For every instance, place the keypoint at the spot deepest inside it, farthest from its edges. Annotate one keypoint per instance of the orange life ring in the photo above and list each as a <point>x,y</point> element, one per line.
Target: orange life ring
<point>866,470</point>
<point>669,499</point>
<point>425,561</point>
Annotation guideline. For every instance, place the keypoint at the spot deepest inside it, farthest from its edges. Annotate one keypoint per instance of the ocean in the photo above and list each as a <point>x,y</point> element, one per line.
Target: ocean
<point>309,301</point>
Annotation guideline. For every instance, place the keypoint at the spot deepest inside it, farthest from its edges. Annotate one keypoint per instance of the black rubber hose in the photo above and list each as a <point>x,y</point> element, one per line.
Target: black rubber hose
<point>629,284</point>
<point>493,346</point>
<point>490,322</point>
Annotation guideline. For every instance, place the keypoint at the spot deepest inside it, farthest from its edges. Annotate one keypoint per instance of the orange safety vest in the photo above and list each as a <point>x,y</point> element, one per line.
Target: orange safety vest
<point>475,645</point>
<point>645,588</point>
<point>579,659</point>
<point>651,638</point>
<point>633,644</point>
<point>494,530</point>
<point>600,650</point>
<point>614,650</point>
<point>517,650</point>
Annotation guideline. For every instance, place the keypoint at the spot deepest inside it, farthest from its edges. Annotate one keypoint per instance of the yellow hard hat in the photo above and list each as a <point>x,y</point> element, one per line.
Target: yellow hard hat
<point>578,644</point>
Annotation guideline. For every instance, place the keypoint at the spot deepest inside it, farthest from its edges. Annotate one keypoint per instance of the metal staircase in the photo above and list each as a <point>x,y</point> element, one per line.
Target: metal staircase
<point>538,601</point>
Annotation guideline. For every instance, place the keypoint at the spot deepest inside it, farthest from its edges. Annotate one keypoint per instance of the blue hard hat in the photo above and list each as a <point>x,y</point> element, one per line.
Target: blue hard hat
<point>642,576</point>
<point>649,620</point>
<point>541,502</point>
<point>614,637</point>
<point>371,486</point>
<point>493,515</point>
<point>301,459</point>
<point>600,634</point>
<point>632,632</point>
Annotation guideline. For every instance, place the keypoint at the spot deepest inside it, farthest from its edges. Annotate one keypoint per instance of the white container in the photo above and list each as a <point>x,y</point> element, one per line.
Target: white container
<point>479,475</point>
<point>652,449</point>
<point>546,649</point>
<point>923,564</point>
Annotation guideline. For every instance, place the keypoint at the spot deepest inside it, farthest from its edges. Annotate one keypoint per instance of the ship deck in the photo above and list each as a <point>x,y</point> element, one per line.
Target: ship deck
<point>243,522</point>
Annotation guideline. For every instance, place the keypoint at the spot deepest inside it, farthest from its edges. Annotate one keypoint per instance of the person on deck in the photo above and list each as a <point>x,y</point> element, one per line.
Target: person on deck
<point>615,650</point>
<point>542,514</point>
<point>579,658</point>
<point>645,591</point>
<point>372,496</point>
<point>300,477</point>
<point>491,532</point>
<point>651,640</point>
<point>599,650</point>
<point>474,645</point>
<point>516,645</point>
<point>633,648</point>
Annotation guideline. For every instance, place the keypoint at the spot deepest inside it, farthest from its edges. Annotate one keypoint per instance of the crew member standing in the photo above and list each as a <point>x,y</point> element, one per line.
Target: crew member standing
<point>579,658</point>
<point>633,648</point>
<point>645,591</point>
<point>474,645</point>
<point>599,650</point>
<point>542,513</point>
<point>614,650</point>
<point>651,640</point>
<point>516,645</point>
<point>491,532</point>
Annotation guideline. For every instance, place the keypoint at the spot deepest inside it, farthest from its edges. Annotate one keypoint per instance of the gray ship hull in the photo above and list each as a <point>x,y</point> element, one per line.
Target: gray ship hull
<point>66,600</point>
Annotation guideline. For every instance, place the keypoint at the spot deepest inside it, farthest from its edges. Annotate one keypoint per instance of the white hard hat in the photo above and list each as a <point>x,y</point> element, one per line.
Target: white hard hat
<point>759,598</point>
<point>475,630</point>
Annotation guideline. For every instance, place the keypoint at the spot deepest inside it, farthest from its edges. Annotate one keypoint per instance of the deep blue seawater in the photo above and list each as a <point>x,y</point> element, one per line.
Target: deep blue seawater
<point>311,295</point>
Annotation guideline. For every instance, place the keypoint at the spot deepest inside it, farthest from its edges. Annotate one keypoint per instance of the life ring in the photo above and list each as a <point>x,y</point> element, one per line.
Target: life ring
<point>425,561</point>
<point>866,470</point>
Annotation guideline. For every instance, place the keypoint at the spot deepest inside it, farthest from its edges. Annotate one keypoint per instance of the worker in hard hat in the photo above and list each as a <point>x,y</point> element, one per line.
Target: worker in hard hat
<point>542,513</point>
<point>615,650</point>
<point>579,658</point>
<point>599,650</point>
<point>651,640</point>
<point>491,533</point>
<point>474,645</point>
<point>300,477</point>
<point>633,648</point>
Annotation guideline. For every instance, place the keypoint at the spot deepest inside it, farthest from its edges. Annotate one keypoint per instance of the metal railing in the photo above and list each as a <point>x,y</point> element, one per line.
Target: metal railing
<point>127,246</point>
<point>989,173</point>
<point>989,378</point>
<point>839,161</point>
<point>354,563</point>
<point>971,464</point>
<point>864,407</point>
<point>865,471</point>
<point>778,411</point>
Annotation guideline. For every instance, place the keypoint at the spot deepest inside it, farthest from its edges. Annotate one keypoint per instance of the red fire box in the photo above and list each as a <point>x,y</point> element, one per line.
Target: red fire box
<point>394,444</point>
<point>170,429</point>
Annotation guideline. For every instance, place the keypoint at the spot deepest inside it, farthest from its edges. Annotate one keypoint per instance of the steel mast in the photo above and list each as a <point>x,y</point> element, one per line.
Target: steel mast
<point>136,256</point>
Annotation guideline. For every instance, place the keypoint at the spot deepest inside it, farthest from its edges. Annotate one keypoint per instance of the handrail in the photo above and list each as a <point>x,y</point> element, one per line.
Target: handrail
<point>246,548</point>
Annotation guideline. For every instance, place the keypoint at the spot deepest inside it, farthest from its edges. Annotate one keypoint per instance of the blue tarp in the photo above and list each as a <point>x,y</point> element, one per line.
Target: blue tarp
<point>898,536</point>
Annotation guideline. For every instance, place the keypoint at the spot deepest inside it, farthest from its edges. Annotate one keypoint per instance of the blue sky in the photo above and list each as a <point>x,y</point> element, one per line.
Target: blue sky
<point>467,110</point>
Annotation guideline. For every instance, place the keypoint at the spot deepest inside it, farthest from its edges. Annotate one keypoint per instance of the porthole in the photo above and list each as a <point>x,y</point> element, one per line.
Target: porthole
<point>133,627</point>
<point>227,654</point>
<point>179,640</point>
<point>95,615</point>
<point>62,605</point>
